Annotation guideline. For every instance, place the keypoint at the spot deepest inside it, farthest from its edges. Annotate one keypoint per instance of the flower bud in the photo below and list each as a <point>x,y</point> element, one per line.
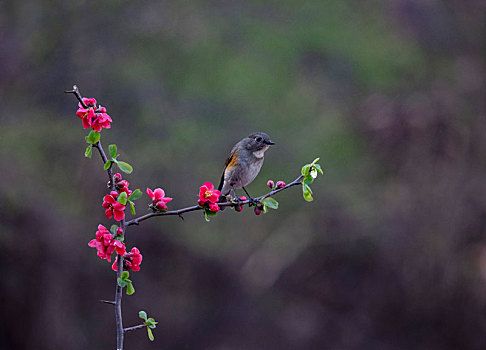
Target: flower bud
<point>280,184</point>
<point>257,210</point>
<point>270,183</point>
<point>238,208</point>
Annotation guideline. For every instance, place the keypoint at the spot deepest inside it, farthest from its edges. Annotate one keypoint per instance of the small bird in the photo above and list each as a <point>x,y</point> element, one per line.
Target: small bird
<point>243,164</point>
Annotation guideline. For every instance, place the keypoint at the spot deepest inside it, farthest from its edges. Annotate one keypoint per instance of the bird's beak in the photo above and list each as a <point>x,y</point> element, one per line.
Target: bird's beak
<point>269,142</point>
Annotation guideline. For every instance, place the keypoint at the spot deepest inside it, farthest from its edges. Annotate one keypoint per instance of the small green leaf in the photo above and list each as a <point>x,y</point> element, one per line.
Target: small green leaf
<point>132,208</point>
<point>107,164</point>
<point>271,203</point>
<point>125,167</point>
<point>142,315</point>
<point>89,151</point>
<point>315,161</point>
<point>112,149</point>
<point>130,289</point>
<point>308,180</point>
<point>113,229</point>
<point>307,192</point>
<point>122,198</point>
<point>135,195</point>
<point>121,282</point>
<point>318,167</point>
<point>305,169</point>
<point>150,335</point>
<point>93,137</point>
<point>125,275</point>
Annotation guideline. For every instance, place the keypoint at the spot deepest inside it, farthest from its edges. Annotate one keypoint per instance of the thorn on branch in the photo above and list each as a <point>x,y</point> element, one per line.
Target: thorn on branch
<point>108,302</point>
<point>76,93</point>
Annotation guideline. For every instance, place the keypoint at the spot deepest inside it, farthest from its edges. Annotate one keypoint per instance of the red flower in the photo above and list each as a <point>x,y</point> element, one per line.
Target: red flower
<point>214,207</point>
<point>280,184</point>
<point>159,201</point>
<point>131,261</point>
<point>207,194</point>
<point>101,120</point>
<point>113,208</point>
<point>270,183</point>
<point>86,114</point>
<point>121,185</point>
<point>105,244</point>
<point>92,117</point>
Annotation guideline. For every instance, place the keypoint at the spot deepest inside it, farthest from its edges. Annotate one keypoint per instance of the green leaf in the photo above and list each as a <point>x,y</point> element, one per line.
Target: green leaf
<point>125,167</point>
<point>318,167</point>
<point>315,161</point>
<point>130,289</point>
<point>271,203</point>
<point>151,323</point>
<point>125,275</point>
<point>113,229</point>
<point>93,137</point>
<point>112,149</point>
<point>142,315</point>
<point>135,195</point>
<point>305,169</point>
<point>121,282</point>
<point>132,208</point>
<point>265,208</point>
<point>150,335</point>
<point>308,180</point>
<point>107,164</point>
<point>122,198</point>
<point>89,151</point>
<point>307,192</point>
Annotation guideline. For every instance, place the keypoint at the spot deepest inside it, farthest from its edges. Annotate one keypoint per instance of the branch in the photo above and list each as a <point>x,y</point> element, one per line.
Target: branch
<point>118,298</point>
<point>105,159</point>
<point>76,93</point>
<point>179,212</point>
<point>134,327</point>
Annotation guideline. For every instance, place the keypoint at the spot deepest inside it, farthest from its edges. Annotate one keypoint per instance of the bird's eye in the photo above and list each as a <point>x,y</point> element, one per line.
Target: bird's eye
<point>258,139</point>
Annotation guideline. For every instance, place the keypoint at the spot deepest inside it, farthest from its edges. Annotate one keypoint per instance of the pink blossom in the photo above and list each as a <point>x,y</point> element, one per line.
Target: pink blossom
<point>131,261</point>
<point>207,194</point>
<point>105,243</point>
<point>270,183</point>
<point>113,208</point>
<point>101,120</point>
<point>93,117</point>
<point>280,184</point>
<point>159,201</point>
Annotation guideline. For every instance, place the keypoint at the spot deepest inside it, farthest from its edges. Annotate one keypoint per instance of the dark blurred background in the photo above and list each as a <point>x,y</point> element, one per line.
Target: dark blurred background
<point>391,95</point>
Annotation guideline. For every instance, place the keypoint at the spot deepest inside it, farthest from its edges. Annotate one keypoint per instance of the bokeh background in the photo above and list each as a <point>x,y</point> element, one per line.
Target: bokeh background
<point>390,94</point>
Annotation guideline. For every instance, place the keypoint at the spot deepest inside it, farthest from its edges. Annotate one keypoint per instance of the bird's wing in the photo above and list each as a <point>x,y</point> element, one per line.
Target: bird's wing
<point>230,161</point>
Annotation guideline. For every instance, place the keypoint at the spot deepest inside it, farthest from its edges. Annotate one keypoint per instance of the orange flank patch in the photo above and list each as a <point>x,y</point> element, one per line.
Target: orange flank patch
<point>232,160</point>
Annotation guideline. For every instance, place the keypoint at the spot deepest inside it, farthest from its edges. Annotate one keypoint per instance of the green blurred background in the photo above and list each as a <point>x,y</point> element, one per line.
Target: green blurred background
<point>391,95</point>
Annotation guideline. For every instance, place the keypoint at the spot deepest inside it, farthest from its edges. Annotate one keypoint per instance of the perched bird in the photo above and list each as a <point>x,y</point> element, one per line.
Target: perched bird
<point>243,164</point>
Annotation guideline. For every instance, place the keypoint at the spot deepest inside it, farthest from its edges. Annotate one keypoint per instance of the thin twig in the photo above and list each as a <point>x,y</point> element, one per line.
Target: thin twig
<point>134,327</point>
<point>111,182</point>
<point>181,211</point>
<point>76,93</point>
